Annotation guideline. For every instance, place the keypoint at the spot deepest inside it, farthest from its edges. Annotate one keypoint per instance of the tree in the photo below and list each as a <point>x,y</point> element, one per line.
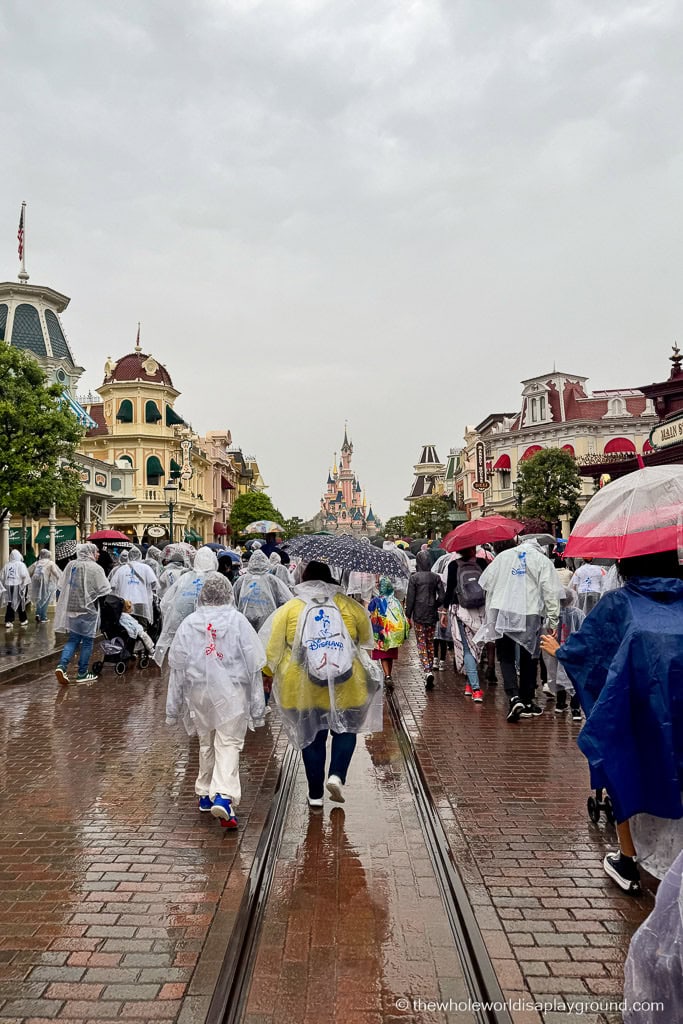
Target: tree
<point>549,485</point>
<point>294,527</point>
<point>38,439</point>
<point>250,507</point>
<point>419,521</point>
<point>395,526</point>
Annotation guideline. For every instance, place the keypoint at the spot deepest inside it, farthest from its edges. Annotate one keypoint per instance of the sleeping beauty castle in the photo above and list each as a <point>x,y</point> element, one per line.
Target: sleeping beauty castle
<point>343,507</point>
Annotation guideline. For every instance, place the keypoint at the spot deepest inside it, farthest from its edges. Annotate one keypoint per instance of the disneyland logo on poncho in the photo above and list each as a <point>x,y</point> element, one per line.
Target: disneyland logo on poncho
<point>322,643</point>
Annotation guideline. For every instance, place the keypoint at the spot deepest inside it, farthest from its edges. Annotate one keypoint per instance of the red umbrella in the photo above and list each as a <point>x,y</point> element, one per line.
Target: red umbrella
<point>486,530</point>
<point>108,535</point>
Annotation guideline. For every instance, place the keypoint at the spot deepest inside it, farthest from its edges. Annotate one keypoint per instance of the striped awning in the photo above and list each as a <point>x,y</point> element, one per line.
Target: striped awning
<point>79,412</point>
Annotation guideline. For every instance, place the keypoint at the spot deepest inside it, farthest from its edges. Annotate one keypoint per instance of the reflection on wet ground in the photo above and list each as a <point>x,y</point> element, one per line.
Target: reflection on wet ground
<point>19,646</point>
<point>355,929</point>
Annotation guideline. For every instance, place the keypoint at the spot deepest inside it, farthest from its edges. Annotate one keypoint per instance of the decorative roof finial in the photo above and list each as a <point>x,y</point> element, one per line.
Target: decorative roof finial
<point>137,340</point>
<point>676,359</point>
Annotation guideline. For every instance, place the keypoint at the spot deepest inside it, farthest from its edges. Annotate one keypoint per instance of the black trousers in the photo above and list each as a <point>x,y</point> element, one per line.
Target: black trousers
<point>9,613</point>
<point>506,650</point>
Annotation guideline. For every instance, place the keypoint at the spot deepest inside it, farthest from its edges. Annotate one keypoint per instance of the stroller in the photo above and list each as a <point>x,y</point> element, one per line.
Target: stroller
<point>119,649</point>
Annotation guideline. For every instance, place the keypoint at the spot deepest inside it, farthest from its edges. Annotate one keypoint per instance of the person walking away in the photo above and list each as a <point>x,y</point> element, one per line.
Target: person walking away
<point>138,584</point>
<point>280,570</point>
<point>559,683</point>
<point>153,560</point>
<point>465,602</point>
<point>258,593</point>
<point>564,573</point>
<point>588,581</point>
<point>15,578</point>
<point>424,598</point>
<point>271,546</point>
<point>78,611</point>
<point>45,577</point>
<point>323,679</point>
<point>228,567</point>
<point>400,581</point>
<point>389,627</point>
<point>181,599</point>
<point>215,686</point>
<point>522,591</point>
<point>175,564</point>
<point>625,662</point>
<point>121,563</point>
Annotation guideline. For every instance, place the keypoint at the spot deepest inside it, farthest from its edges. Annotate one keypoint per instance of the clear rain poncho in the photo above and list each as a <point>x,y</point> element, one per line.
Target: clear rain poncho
<point>280,570</point>
<point>15,578</point>
<point>83,584</point>
<point>310,690</point>
<point>153,560</point>
<point>522,590</point>
<point>136,583</point>
<point>180,600</point>
<point>121,564</point>
<point>258,593</point>
<point>654,966</point>
<point>216,660</point>
<point>45,577</point>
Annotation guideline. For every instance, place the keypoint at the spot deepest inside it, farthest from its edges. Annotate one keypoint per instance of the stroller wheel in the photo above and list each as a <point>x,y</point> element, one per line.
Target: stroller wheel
<point>609,810</point>
<point>97,667</point>
<point>120,668</point>
<point>143,661</point>
<point>593,809</point>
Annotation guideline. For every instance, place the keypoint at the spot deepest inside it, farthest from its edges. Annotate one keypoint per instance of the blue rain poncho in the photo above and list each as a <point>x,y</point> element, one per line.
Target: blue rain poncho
<point>626,663</point>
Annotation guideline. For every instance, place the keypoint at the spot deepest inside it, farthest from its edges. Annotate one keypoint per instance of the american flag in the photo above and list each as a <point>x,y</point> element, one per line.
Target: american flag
<point>20,233</point>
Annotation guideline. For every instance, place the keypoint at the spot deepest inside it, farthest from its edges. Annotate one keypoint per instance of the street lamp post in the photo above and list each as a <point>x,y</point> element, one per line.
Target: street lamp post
<point>171,492</point>
<point>435,519</point>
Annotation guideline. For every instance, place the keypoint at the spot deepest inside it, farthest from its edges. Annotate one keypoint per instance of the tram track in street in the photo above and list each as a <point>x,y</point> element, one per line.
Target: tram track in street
<point>229,1000</point>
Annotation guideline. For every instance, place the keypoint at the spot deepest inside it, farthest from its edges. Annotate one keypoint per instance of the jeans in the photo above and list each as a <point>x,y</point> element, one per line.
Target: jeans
<point>508,651</point>
<point>471,667</point>
<point>41,610</point>
<point>343,746</point>
<point>71,646</point>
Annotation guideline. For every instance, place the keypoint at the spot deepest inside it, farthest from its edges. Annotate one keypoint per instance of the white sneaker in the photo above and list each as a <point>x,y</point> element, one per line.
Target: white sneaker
<point>335,788</point>
<point>24,625</point>
<point>9,625</point>
<point>315,801</point>
<point>442,666</point>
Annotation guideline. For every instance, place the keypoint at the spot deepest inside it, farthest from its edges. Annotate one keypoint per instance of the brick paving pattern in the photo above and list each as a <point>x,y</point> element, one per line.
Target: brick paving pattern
<point>115,894</point>
<point>513,802</point>
<point>355,922</point>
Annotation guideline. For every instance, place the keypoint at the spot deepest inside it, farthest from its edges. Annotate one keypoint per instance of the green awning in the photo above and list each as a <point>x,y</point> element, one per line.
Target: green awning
<point>125,413</point>
<point>154,467</point>
<point>191,536</point>
<point>16,536</point>
<point>152,414</point>
<point>175,469</point>
<point>172,418</point>
<point>61,533</point>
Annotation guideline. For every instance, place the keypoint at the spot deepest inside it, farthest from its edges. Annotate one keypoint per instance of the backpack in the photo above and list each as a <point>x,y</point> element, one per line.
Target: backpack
<point>327,649</point>
<point>467,588</point>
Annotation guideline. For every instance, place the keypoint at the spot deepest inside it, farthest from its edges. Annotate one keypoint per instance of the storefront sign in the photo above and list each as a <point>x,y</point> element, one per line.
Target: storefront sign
<point>668,433</point>
<point>100,479</point>
<point>186,469</point>
<point>156,531</point>
<point>481,483</point>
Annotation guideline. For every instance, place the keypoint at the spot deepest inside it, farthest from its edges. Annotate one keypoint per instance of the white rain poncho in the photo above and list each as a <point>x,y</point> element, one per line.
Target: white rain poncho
<point>362,585</point>
<point>280,570</point>
<point>45,577</point>
<point>122,564</point>
<point>15,579</point>
<point>153,560</point>
<point>522,590</point>
<point>588,582</point>
<point>258,593</point>
<point>83,584</point>
<point>400,582</point>
<point>136,583</point>
<point>323,678</point>
<point>571,620</point>
<point>181,599</point>
<point>654,966</point>
<point>216,660</point>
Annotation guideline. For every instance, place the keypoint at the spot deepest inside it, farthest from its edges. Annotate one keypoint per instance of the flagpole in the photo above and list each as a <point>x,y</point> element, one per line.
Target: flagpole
<point>23,276</point>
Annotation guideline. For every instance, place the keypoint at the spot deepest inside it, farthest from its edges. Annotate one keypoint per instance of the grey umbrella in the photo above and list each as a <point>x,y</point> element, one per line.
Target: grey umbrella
<point>347,553</point>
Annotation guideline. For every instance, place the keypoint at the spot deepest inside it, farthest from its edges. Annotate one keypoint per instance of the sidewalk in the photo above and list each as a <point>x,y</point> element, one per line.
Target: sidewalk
<point>513,801</point>
<point>26,653</point>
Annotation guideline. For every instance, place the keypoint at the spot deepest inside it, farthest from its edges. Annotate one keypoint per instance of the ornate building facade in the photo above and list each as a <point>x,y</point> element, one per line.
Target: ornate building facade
<point>343,506</point>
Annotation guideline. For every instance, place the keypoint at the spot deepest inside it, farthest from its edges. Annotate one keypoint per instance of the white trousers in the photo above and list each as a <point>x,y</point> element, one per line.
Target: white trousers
<point>219,765</point>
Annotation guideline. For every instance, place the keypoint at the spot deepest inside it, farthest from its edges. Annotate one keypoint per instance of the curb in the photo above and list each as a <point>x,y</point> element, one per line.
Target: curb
<point>25,671</point>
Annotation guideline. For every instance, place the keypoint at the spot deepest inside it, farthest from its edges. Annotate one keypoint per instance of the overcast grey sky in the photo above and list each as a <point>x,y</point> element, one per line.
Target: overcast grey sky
<point>386,211</point>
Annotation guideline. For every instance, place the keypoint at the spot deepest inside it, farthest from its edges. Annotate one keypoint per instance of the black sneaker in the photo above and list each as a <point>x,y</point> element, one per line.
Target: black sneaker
<point>561,702</point>
<point>429,681</point>
<point>576,709</point>
<point>624,871</point>
<point>516,709</point>
<point>491,677</point>
<point>531,711</point>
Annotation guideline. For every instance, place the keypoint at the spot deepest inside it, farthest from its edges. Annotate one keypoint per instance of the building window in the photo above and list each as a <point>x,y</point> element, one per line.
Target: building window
<point>4,308</point>
<point>538,409</point>
<point>152,414</point>
<point>125,413</point>
<point>126,458</point>
<point>505,480</point>
<point>27,332</point>
<point>155,471</point>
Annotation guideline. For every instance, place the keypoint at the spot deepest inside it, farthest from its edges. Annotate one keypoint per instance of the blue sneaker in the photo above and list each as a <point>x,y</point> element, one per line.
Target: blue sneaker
<point>205,803</point>
<point>222,808</point>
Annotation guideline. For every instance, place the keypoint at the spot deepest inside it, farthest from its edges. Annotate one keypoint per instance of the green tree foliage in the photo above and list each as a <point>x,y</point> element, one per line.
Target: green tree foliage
<point>395,526</point>
<point>250,507</point>
<point>419,522</point>
<point>548,486</point>
<point>38,439</point>
<point>294,527</point>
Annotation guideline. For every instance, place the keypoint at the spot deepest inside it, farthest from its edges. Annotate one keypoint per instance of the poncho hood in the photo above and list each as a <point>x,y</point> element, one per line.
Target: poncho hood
<point>316,589</point>
<point>205,560</point>
<point>664,590</point>
<point>218,618</point>
<point>259,564</point>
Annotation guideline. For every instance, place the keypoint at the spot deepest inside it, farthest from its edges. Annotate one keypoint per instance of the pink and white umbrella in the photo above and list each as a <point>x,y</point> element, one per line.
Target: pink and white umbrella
<point>638,514</point>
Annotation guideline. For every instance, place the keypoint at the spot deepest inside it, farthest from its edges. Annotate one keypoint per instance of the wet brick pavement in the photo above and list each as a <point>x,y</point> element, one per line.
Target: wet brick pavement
<point>115,894</point>
<point>20,648</point>
<point>354,923</point>
<point>513,801</point>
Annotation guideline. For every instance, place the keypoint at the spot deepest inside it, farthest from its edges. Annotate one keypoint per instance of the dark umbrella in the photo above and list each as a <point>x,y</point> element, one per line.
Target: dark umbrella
<point>66,549</point>
<point>347,553</point>
<point>415,545</point>
<point>215,547</point>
